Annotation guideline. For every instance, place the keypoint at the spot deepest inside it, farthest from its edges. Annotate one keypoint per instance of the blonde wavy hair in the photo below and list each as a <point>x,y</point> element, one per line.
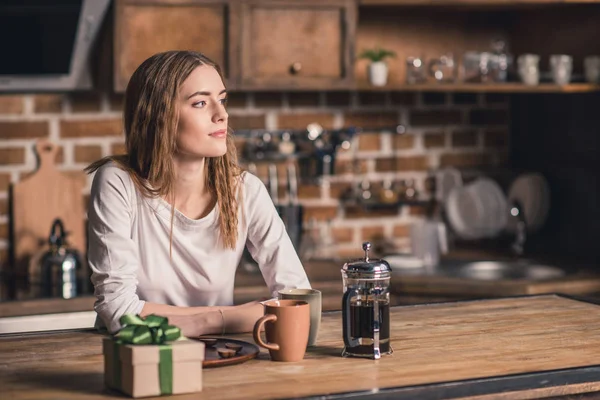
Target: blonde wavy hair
<point>151,116</point>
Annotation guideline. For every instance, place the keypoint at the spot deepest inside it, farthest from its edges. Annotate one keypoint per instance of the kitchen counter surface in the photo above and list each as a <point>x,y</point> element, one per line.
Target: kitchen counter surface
<point>405,288</point>
<point>521,347</point>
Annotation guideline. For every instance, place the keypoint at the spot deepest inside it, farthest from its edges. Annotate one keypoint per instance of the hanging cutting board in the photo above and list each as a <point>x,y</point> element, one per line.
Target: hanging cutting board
<point>38,200</point>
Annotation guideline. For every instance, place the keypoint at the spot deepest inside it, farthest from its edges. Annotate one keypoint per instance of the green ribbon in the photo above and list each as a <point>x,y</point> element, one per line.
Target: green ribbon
<point>154,330</point>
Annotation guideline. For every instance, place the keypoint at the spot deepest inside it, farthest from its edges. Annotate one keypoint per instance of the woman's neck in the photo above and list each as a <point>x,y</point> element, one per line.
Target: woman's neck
<point>190,192</point>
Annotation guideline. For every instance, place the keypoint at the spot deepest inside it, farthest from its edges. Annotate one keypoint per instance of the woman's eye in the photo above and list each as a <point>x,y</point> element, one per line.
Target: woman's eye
<point>224,101</point>
<point>199,104</point>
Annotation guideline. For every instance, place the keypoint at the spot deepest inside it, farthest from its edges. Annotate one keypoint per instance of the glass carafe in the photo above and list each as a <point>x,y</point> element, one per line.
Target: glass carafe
<point>366,307</point>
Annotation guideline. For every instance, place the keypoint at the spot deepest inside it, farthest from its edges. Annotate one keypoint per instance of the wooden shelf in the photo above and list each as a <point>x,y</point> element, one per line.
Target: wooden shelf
<point>470,2</point>
<point>487,88</point>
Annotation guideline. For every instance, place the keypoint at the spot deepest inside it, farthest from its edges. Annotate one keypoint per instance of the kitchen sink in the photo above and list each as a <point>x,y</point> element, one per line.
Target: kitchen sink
<point>502,270</point>
<point>483,270</point>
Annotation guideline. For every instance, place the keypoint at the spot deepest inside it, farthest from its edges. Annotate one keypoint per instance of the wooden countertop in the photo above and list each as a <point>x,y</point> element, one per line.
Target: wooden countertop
<point>524,347</point>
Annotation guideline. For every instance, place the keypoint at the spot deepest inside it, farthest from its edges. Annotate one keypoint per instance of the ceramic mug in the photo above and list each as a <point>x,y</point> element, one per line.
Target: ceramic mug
<point>313,298</point>
<point>286,324</point>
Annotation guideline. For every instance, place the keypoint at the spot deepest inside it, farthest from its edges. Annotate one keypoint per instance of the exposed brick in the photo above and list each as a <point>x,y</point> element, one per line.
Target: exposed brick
<point>95,128</point>
<point>371,233</point>
<point>309,191</point>
<point>339,99</point>
<point>433,140</point>
<point>301,121</point>
<point>85,102</point>
<point>118,148</point>
<point>342,235</point>
<point>15,155</point>
<point>434,98</point>
<point>320,213</point>
<point>4,181</point>
<point>237,100</point>
<point>413,163</point>
<point>3,231</point>
<point>355,212</point>
<point>403,98</point>
<point>350,166</point>
<point>47,103</point>
<point>495,98</point>
<point>338,189</point>
<point>11,104</point>
<point>369,142</point>
<point>464,160</point>
<point>247,122</point>
<point>303,99</point>
<point>23,130</point>
<point>441,117</point>
<point>240,145</point>
<point>371,120</point>
<point>87,154</point>
<point>417,211</point>
<point>117,101</point>
<point>404,141</point>
<point>351,254</point>
<point>464,138</point>
<point>488,117</point>
<point>464,98</point>
<point>4,260</point>
<point>371,98</point>
<point>495,138</point>
<point>401,231</point>
<point>3,206</point>
<point>267,99</point>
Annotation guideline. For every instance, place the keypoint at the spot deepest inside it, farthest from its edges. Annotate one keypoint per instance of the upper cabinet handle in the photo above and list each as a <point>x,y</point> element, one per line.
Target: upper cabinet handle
<point>295,68</point>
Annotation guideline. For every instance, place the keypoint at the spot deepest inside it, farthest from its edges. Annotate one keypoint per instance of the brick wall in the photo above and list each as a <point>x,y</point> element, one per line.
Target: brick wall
<point>469,131</point>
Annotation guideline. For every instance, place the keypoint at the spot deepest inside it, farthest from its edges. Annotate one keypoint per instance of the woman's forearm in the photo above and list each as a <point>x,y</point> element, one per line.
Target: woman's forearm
<point>196,321</point>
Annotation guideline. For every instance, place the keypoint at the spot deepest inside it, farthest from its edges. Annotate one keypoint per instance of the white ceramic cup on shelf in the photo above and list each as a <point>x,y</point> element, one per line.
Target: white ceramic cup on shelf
<point>591,68</point>
<point>561,67</point>
<point>529,69</point>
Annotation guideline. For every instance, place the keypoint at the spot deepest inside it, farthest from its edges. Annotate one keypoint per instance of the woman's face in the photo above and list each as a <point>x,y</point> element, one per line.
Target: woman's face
<point>202,128</point>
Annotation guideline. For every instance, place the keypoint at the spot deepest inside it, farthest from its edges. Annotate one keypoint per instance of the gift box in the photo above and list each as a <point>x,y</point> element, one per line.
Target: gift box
<point>149,358</point>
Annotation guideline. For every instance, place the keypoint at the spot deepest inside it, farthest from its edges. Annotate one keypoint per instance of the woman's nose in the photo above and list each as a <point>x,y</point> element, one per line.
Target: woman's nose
<point>220,115</point>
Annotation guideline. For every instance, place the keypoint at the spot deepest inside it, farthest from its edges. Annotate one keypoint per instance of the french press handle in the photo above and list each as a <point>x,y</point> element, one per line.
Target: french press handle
<point>348,340</point>
<point>376,326</point>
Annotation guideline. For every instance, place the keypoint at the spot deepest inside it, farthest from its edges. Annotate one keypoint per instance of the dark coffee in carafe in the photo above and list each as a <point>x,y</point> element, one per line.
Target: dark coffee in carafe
<point>361,322</point>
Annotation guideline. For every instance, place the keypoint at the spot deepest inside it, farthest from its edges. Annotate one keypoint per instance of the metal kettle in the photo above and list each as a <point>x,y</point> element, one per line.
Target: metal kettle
<point>60,266</point>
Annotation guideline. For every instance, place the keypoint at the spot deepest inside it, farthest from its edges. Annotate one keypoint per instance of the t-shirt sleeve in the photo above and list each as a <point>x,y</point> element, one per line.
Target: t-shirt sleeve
<point>112,254</point>
<point>268,241</point>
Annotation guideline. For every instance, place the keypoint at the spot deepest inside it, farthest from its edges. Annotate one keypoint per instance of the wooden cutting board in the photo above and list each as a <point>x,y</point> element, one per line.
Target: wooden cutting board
<point>37,201</point>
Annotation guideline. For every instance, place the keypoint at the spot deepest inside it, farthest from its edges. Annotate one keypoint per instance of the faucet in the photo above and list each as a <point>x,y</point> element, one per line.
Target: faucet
<point>518,246</point>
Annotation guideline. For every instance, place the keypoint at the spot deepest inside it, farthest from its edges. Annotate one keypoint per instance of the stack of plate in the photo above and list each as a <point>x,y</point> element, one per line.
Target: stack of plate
<point>478,210</point>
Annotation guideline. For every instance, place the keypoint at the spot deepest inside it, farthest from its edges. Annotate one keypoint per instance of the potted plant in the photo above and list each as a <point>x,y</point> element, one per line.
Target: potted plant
<point>377,70</point>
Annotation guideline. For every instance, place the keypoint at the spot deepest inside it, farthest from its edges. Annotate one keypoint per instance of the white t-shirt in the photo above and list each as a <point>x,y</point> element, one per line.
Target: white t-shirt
<point>128,250</point>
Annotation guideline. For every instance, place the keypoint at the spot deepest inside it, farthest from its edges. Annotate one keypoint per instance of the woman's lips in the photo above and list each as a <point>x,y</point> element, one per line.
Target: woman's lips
<point>219,134</point>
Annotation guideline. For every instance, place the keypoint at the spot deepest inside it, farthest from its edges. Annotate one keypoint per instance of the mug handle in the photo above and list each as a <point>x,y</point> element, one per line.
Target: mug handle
<point>259,327</point>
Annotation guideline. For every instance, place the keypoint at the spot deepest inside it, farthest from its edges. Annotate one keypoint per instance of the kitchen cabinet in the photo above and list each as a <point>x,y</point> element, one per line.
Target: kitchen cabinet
<point>297,43</point>
<point>145,27</point>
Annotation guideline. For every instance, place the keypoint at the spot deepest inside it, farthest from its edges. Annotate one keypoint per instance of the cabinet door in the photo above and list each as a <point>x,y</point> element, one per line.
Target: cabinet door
<point>146,27</point>
<point>293,43</point>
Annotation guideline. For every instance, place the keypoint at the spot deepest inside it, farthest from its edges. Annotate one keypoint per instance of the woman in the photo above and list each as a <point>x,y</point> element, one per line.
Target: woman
<point>168,222</point>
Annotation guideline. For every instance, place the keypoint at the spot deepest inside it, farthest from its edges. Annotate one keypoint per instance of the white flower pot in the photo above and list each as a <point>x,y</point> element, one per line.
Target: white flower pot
<point>378,73</point>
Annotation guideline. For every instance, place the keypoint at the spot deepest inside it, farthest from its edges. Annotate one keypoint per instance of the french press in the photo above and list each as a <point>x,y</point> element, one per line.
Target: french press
<point>366,307</point>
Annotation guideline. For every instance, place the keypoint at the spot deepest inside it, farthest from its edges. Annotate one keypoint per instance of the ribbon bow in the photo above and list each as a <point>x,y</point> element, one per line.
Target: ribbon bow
<point>150,330</point>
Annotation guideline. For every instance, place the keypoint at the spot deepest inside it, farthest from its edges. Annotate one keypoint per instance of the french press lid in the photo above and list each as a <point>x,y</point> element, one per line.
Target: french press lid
<point>369,268</point>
